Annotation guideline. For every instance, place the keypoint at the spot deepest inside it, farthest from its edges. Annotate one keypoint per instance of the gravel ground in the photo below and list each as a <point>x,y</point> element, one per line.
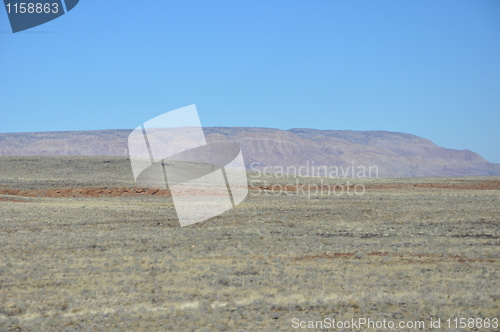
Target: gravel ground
<point>397,252</point>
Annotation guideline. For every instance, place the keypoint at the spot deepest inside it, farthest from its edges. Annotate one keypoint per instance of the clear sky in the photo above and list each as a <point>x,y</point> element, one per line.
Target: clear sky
<point>429,68</point>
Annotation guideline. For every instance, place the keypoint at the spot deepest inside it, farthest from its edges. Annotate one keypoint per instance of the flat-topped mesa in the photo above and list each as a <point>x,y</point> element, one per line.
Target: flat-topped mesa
<point>393,154</point>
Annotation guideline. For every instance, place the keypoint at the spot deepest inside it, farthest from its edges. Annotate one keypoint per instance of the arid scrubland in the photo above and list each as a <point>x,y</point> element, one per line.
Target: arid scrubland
<point>402,251</point>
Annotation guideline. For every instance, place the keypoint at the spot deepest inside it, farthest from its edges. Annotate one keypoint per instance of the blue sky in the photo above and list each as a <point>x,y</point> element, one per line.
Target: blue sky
<point>429,68</point>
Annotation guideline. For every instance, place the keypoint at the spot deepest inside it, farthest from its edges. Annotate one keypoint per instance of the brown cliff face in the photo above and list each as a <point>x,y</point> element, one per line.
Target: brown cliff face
<point>341,153</point>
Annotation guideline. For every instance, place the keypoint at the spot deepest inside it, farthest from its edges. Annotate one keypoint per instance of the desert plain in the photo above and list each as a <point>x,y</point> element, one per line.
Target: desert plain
<point>83,249</point>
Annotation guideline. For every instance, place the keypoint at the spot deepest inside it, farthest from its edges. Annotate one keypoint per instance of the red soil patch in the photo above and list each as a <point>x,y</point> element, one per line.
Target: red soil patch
<point>107,192</point>
<point>463,185</point>
<point>125,192</point>
<point>458,258</point>
<point>87,192</point>
<point>327,256</point>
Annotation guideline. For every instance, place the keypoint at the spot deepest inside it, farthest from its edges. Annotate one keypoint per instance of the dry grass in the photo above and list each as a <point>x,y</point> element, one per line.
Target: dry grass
<point>123,263</point>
